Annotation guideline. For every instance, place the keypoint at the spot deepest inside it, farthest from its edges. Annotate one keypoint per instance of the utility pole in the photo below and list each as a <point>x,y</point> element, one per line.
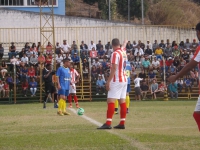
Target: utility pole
<point>109,9</point>
<point>128,10</point>
<point>142,3</point>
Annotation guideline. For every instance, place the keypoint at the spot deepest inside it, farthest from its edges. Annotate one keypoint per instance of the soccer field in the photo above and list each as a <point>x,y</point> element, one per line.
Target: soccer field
<point>154,125</point>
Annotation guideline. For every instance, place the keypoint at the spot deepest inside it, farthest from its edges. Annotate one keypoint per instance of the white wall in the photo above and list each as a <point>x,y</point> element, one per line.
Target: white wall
<point>21,27</point>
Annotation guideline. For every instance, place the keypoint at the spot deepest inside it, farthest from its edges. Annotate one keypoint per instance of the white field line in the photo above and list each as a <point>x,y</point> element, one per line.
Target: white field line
<point>132,142</point>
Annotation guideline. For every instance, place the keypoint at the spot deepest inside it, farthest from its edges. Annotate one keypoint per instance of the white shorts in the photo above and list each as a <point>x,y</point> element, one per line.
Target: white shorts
<point>72,89</point>
<point>197,108</point>
<point>117,90</point>
<point>4,70</point>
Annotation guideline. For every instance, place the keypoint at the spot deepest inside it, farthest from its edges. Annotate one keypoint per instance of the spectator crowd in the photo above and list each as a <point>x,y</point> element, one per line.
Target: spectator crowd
<point>149,62</point>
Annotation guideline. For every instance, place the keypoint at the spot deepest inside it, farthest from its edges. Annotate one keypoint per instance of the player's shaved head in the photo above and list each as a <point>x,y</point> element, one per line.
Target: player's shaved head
<point>66,60</point>
<point>115,42</point>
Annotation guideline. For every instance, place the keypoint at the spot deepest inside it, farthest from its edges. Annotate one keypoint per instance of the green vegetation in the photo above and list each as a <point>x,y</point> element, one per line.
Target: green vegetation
<point>150,125</point>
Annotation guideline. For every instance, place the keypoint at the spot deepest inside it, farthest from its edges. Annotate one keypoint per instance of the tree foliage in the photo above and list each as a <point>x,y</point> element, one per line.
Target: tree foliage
<point>90,2</point>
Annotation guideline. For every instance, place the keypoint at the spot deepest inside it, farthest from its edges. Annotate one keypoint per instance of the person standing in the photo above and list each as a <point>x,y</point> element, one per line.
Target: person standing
<point>64,78</point>
<point>50,89</point>
<point>116,86</point>
<point>72,91</point>
<point>137,88</point>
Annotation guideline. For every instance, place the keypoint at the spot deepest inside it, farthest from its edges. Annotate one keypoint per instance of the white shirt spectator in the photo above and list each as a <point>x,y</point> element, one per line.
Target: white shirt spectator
<point>91,46</point>
<point>24,60</point>
<point>96,63</point>
<point>137,82</point>
<point>65,48</point>
<point>1,86</point>
<point>110,51</point>
<point>156,63</point>
<point>59,59</point>
<point>150,45</point>
<point>13,61</point>
<point>140,52</point>
<point>33,60</point>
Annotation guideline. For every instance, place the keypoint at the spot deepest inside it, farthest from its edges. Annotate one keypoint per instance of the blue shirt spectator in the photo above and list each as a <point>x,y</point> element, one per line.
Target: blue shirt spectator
<point>33,84</point>
<point>104,64</point>
<point>75,58</point>
<point>101,53</point>
<point>152,75</point>
<point>100,82</point>
<point>146,63</point>
<point>173,87</point>
<point>74,51</point>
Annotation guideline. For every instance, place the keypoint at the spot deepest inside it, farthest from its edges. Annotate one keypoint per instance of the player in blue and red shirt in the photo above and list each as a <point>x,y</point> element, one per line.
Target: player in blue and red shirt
<point>64,78</point>
<point>192,64</point>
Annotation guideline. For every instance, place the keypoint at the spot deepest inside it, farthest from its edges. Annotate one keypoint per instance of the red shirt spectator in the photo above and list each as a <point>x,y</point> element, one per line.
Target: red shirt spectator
<point>49,59</point>
<point>161,63</point>
<point>93,53</point>
<point>169,62</point>
<point>31,72</point>
<point>25,85</point>
<point>6,86</point>
<point>41,59</point>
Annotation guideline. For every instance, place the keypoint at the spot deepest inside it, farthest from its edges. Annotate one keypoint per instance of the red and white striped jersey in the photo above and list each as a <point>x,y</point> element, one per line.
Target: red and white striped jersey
<point>197,59</point>
<point>74,74</point>
<point>119,58</point>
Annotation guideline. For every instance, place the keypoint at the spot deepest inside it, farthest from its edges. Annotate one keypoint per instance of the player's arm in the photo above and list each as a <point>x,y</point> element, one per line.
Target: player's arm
<point>184,70</point>
<point>112,72</point>
<point>125,43</point>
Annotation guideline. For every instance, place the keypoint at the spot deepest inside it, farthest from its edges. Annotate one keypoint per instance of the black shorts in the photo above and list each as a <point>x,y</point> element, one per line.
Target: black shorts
<point>137,91</point>
<point>49,88</point>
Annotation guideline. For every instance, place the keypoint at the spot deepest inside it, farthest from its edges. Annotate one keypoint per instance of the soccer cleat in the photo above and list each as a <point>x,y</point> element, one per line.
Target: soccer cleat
<point>55,105</point>
<point>60,113</point>
<point>105,126</point>
<point>116,112</point>
<point>119,127</point>
<point>70,106</point>
<point>77,106</point>
<point>66,113</point>
<point>127,111</point>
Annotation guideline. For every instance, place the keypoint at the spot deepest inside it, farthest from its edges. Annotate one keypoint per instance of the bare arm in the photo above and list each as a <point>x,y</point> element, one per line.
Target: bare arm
<point>125,42</point>
<point>184,71</point>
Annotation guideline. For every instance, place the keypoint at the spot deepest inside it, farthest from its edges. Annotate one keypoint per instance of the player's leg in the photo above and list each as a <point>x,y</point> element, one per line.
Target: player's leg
<point>123,109</point>
<point>127,97</point>
<point>64,111</point>
<point>196,113</point>
<point>61,94</point>
<point>70,96</point>
<point>75,97</point>
<point>113,94</point>
<point>116,106</point>
<point>47,91</point>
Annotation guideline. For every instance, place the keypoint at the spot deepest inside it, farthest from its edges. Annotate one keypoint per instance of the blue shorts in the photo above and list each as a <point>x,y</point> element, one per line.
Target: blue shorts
<point>63,92</point>
<point>128,88</point>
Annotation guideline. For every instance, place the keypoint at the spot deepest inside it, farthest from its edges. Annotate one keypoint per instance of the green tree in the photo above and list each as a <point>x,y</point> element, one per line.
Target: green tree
<point>90,2</point>
<point>135,8</point>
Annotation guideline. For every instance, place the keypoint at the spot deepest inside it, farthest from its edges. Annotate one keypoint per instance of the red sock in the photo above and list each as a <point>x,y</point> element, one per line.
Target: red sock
<point>75,99</point>
<point>110,112</point>
<point>122,113</point>
<point>70,98</point>
<point>197,119</point>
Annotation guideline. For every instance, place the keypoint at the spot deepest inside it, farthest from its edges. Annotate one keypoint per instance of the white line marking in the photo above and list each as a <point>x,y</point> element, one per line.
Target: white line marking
<point>132,142</point>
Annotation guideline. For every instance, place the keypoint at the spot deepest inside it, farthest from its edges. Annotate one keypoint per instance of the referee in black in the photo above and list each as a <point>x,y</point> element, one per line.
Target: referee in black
<point>49,86</point>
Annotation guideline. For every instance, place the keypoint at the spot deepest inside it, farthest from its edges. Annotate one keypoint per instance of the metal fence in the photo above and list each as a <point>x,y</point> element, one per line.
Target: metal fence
<point>105,34</point>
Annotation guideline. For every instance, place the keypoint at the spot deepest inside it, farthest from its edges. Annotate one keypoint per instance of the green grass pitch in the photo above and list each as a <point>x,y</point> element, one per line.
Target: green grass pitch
<point>156,125</point>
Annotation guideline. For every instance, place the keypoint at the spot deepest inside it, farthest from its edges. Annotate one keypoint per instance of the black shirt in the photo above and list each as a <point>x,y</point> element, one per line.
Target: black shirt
<point>49,78</point>
<point>142,75</point>
<point>144,87</point>
<point>148,51</point>
<point>185,56</point>
<point>99,46</point>
<point>176,63</point>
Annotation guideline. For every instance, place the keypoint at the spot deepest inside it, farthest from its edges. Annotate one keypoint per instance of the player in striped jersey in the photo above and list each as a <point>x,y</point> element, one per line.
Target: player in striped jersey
<point>116,86</point>
<point>72,91</point>
<point>192,64</point>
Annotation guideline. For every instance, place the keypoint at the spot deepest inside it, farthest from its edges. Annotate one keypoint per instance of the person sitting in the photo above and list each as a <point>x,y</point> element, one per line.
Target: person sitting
<point>12,51</point>
<point>49,59</point>
<point>85,72</point>
<point>1,51</point>
<point>2,90</point>
<point>31,73</point>
<point>104,64</point>
<point>93,54</point>
<point>162,88</point>
<point>139,51</point>
<point>158,52</point>
<point>84,55</point>
<point>144,89</point>
<point>148,52</point>
<point>151,76</point>
<point>182,63</point>
<point>129,47</point>
<point>25,60</point>
<point>172,69</point>
<point>137,62</point>
<point>3,69</point>
<point>154,89</point>
<point>24,73</point>
<point>173,90</point>
<point>100,83</point>
<point>58,48</point>
<point>83,47</point>
<point>9,80</point>
<point>59,60</point>
<point>94,73</point>
<point>146,64</point>
<point>7,89</point>
<point>188,84</point>
<point>29,53</point>
<point>156,64</point>
<point>180,85</point>
<point>176,51</point>
<point>100,71</point>
<point>33,87</point>
<point>74,51</point>
<point>101,53</point>
<point>142,75</point>
<point>185,56</point>
<point>96,62</point>
<point>168,52</point>
<point>33,60</point>
<point>25,88</point>
<point>76,59</point>
<point>49,48</point>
